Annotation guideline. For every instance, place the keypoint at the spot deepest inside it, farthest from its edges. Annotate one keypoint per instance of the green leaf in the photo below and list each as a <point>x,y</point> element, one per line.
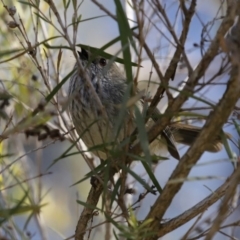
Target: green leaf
<point>116,224</point>
<point>19,209</point>
<point>86,19</point>
<point>148,170</point>
<point>237,126</point>
<point>99,52</point>
<point>95,51</point>
<point>115,40</point>
<point>122,112</point>
<point>137,177</point>
<point>59,60</point>
<point>8,52</point>
<point>143,137</point>
<point>28,3</point>
<point>6,155</point>
<point>43,18</point>
<point>74,3</point>
<point>88,205</point>
<point>151,176</point>
<point>64,154</point>
<point>68,3</point>
<point>115,235</point>
<point>58,86</point>
<point>96,170</point>
<point>115,191</point>
<point>125,36</point>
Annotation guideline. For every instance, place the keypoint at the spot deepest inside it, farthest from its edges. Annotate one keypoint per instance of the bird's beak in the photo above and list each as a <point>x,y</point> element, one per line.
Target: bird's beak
<point>83,54</point>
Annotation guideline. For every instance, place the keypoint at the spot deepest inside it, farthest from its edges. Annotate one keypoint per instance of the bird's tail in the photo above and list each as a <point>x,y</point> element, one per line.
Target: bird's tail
<point>186,134</point>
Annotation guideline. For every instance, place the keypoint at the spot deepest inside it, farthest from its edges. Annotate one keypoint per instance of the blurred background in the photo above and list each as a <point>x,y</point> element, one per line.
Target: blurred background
<point>21,76</point>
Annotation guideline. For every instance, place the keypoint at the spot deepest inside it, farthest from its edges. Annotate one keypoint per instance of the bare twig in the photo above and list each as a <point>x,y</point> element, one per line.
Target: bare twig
<point>216,119</point>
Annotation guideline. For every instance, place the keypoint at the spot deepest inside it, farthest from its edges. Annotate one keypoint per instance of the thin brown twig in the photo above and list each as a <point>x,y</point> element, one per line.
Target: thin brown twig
<point>212,126</point>
<point>170,72</point>
<point>194,211</point>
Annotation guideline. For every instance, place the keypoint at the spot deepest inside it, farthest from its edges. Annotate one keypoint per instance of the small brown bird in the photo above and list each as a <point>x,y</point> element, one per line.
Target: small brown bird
<point>98,104</point>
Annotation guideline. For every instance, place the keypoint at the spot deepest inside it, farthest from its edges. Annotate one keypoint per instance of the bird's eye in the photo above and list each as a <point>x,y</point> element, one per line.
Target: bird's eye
<point>103,62</point>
